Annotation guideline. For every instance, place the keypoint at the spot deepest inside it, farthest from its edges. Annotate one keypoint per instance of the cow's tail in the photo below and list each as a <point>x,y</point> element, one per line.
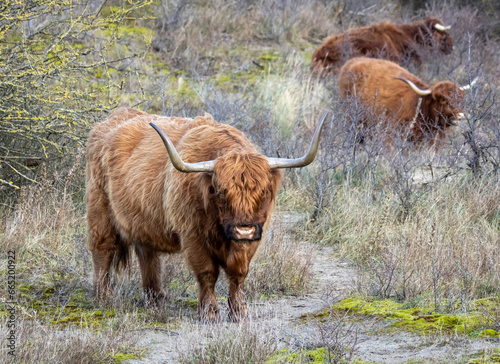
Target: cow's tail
<point>122,255</point>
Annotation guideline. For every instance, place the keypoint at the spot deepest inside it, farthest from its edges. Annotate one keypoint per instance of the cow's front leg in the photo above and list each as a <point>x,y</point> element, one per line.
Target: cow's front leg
<point>236,271</point>
<point>206,273</point>
<point>238,310</point>
<point>208,310</point>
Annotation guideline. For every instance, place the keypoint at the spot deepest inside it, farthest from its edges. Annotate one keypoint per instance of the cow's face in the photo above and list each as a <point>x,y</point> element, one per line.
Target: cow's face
<point>443,40</point>
<point>440,39</point>
<point>244,188</point>
<point>447,102</point>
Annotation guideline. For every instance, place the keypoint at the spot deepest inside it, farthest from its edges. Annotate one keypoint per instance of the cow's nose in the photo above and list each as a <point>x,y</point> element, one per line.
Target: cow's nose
<point>244,232</point>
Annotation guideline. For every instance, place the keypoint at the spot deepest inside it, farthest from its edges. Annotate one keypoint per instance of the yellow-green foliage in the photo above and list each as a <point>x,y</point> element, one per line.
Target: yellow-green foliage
<point>257,63</point>
<point>423,320</point>
<point>319,355</point>
<point>119,357</point>
<point>48,99</point>
<point>486,357</point>
<point>78,309</point>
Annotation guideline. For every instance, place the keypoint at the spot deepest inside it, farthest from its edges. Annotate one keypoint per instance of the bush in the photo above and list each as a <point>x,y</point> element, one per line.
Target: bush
<point>56,68</point>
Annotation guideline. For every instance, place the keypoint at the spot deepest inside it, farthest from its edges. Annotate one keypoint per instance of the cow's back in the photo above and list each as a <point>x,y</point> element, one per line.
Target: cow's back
<point>370,77</point>
<point>128,166</point>
<point>372,81</point>
<point>378,40</point>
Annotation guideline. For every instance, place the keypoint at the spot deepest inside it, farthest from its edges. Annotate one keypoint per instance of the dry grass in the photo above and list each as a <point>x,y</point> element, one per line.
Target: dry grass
<point>281,266</point>
<point>234,344</point>
<point>39,343</point>
<point>447,248</point>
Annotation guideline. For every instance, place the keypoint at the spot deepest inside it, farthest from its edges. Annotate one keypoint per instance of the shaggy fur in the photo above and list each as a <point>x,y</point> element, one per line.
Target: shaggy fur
<point>136,198</point>
<point>398,43</point>
<point>373,83</point>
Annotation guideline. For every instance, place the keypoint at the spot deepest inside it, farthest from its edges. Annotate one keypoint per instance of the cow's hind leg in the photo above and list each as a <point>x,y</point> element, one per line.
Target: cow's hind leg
<point>102,259</point>
<point>150,263</point>
<point>103,242</point>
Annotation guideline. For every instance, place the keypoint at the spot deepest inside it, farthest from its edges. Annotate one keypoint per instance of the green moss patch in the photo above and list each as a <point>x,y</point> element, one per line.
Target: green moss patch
<point>424,320</point>
<point>45,303</point>
<point>76,308</point>
<point>486,357</point>
<point>243,66</point>
<point>318,355</point>
<point>119,358</point>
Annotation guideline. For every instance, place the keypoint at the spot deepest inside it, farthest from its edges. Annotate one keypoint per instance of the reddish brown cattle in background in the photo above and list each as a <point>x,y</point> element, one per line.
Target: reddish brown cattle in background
<point>139,197</point>
<point>421,111</point>
<point>398,43</point>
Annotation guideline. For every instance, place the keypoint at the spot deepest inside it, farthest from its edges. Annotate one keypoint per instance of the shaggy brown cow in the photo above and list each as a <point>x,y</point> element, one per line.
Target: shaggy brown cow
<point>420,111</point>
<point>398,43</point>
<point>139,197</point>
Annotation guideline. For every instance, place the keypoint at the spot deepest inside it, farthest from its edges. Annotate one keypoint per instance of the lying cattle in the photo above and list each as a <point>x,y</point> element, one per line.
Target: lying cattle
<point>212,199</point>
<point>398,43</point>
<point>407,104</point>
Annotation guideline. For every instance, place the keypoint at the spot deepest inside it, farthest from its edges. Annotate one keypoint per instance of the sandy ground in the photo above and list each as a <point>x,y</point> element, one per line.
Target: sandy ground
<point>287,319</point>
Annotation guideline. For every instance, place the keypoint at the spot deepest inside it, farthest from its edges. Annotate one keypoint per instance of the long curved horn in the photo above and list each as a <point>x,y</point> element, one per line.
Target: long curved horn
<point>175,158</point>
<point>307,158</point>
<point>442,27</point>
<point>467,87</point>
<point>414,87</point>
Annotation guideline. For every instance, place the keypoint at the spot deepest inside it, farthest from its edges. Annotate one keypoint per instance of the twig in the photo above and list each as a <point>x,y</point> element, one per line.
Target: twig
<point>171,332</point>
<point>258,65</point>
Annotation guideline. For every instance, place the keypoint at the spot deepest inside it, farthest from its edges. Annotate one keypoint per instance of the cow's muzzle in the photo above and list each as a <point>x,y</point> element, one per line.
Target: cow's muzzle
<point>458,118</point>
<point>244,232</point>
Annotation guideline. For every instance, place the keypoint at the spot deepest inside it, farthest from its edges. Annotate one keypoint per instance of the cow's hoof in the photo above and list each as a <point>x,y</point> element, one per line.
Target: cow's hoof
<point>239,316</point>
<point>238,310</point>
<point>210,318</point>
<point>103,297</point>
<point>152,298</point>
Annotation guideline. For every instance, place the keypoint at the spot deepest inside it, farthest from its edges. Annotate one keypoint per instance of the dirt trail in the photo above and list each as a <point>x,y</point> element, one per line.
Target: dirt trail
<point>286,318</point>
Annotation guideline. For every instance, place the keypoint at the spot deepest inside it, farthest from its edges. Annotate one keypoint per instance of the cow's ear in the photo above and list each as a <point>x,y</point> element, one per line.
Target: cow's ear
<point>277,176</point>
<point>208,180</point>
<point>430,23</point>
<point>439,98</point>
<point>208,189</point>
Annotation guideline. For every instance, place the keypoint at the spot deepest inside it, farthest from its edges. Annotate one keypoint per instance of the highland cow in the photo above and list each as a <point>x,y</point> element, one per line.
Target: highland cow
<point>405,103</point>
<point>397,43</point>
<point>200,188</point>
